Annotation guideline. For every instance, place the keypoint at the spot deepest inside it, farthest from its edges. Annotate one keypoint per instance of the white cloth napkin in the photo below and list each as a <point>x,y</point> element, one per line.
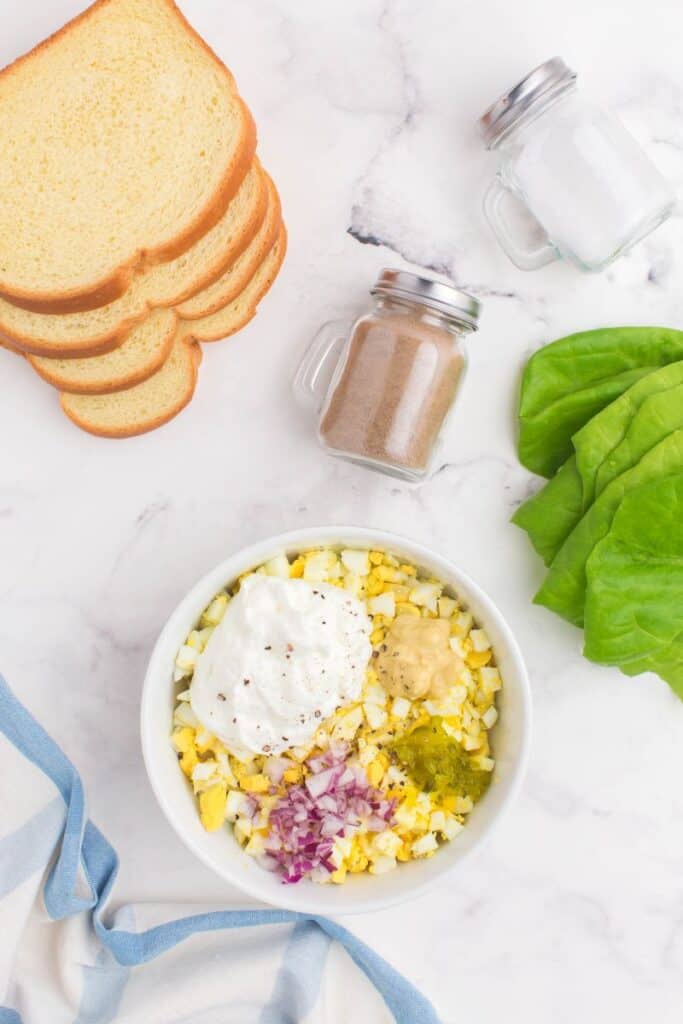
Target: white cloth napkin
<point>65,960</point>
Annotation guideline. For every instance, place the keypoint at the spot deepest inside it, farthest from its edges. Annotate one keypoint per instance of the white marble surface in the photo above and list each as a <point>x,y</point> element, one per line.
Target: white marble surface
<point>366,112</point>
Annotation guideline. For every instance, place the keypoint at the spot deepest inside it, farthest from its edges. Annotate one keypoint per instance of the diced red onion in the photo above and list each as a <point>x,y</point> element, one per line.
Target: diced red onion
<point>251,808</point>
<point>333,826</point>
<point>322,782</point>
<point>335,800</point>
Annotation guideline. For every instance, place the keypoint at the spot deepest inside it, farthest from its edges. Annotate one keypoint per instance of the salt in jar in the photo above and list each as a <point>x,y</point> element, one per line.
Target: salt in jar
<point>591,190</point>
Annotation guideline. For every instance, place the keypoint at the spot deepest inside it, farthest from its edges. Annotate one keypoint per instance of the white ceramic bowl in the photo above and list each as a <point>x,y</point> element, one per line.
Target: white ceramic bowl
<point>220,850</point>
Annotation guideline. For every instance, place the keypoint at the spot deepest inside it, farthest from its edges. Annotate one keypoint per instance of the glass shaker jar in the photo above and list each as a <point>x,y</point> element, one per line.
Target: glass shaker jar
<point>384,385</point>
<point>579,172</point>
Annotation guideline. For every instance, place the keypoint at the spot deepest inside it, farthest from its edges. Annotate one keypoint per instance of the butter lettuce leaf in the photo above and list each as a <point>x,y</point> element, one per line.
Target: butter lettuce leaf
<point>564,589</point>
<point>606,447</point>
<point>667,663</point>
<point>596,442</point>
<point>569,381</point>
<point>545,439</point>
<point>634,594</point>
<point>658,416</point>
<point>551,515</point>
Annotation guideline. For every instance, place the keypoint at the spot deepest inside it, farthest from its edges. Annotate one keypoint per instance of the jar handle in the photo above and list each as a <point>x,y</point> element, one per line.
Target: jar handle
<point>314,372</point>
<point>523,256</point>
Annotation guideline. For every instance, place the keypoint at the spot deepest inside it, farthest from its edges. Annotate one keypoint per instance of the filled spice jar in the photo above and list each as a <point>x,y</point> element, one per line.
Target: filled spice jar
<point>384,385</point>
<point>591,190</point>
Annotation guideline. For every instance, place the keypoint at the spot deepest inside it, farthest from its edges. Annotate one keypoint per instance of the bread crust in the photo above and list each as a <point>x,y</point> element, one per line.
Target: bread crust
<point>108,340</point>
<point>225,294</point>
<point>193,361</point>
<point>54,373</point>
<point>9,347</point>
<point>60,378</point>
<point>97,346</point>
<point>111,287</point>
<point>187,334</point>
<point>203,330</point>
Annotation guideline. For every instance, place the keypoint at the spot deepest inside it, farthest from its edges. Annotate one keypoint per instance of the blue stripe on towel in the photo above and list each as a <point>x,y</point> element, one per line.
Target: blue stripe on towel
<point>298,980</point>
<point>8,1016</point>
<point>33,742</point>
<point>104,982</point>
<point>29,849</point>
<point>84,845</point>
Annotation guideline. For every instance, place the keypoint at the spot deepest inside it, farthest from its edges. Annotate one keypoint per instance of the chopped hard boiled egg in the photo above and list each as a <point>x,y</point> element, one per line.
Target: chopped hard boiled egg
<point>400,707</point>
<point>321,566</point>
<point>490,679</point>
<point>462,624</point>
<point>376,715</point>
<point>490,717</point>
<point>451,827</point>
<point>278,566</point>
<point>383,604</point>
<point>425,845</point>
<point>374,693</point>
<point>212,806</point>
<point>243,829</point>
<point>186,659</point>
<point>480,640</point>
<point>216,610</point>
<point>357,562</point>
<point>353,584</point>
<point>237,803</point>
<point>387,843</point>
<point>347,725</point>
<point>426,595</point>
<point>381,865</point>
<point>246,789</point>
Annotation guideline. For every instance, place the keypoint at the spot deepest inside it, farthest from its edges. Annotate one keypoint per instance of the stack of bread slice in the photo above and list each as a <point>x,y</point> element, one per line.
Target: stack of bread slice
<point>136,221</point>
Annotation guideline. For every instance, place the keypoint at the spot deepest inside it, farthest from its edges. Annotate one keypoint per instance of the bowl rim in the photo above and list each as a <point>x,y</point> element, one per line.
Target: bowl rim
<point>237,562</point>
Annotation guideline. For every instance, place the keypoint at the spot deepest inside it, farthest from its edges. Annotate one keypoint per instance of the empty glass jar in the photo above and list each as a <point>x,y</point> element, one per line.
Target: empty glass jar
<point>579,172</point>
<point>384,385</point>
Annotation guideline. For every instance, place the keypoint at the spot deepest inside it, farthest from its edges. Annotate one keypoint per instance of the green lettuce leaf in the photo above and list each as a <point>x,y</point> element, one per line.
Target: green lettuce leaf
<point>598,439</point>
<point>551,515</point>
<point>634,595</point>
<point>572,379</point>
<point>564,589</point>
<point>545,439</point>
<point>658,416</point>
<point>606,446</point>
<point>666,663</point>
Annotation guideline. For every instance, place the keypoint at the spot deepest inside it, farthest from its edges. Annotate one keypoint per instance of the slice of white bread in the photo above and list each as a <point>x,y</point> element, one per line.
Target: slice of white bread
<point>236,277</point>
<point>123,141</point>
<point>143,352</point>
<point>148,344</point>
<point>144,406</point>
<point>239,312</point>
<point>100,330</point>
<point>154,401</point>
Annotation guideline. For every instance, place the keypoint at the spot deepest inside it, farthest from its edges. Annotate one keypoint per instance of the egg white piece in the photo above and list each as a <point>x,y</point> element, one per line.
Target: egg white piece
<point>285,656</point>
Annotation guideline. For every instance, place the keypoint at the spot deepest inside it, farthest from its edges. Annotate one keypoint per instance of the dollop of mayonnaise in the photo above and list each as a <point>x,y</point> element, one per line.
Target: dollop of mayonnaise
<point>285,656</point>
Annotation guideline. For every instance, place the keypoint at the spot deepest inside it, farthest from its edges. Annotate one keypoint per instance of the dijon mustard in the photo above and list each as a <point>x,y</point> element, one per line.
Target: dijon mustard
<point>416,659</point>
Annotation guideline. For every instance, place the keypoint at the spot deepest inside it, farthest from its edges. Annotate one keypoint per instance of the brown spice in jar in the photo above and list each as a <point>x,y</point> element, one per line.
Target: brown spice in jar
<point>394,390</point>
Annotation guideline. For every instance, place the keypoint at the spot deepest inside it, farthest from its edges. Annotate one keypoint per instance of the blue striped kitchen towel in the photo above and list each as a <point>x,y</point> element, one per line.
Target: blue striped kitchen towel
<point>65,960</point>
